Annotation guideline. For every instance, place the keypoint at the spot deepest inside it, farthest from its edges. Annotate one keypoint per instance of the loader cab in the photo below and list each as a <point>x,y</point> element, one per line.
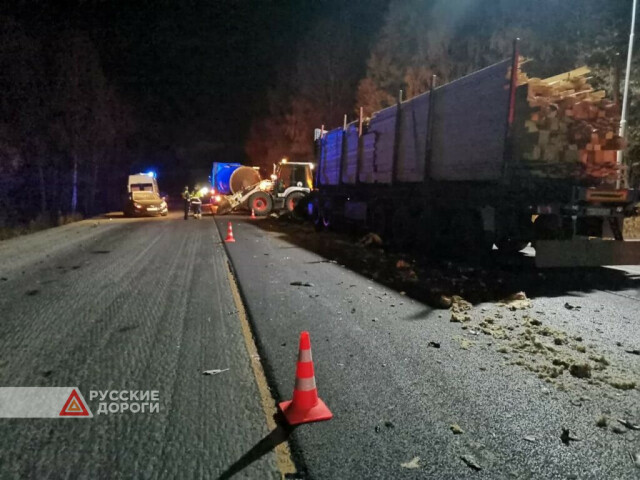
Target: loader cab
<point>292,181</point>
<point>293,175</point>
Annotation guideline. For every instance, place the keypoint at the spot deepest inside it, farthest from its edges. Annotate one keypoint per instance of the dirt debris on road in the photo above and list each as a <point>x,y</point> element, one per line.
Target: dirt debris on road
<point>412,464</point>
<point>471,462</point>
<point>516,301</point>
<point>567,436</point>
<point>491,300</point>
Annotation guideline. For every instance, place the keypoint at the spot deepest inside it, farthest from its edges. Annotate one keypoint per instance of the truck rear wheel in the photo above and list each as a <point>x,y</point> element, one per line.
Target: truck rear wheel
<point>313,211</point>
<point>466,233</point>
<point>326,217</point>
<point>549,227</point>
<point>261,203</point>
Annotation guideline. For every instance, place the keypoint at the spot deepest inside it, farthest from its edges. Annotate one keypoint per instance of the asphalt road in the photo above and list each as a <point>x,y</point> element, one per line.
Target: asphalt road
<point>148,304</point>
<point>395,396</point>
<point>128,304</point>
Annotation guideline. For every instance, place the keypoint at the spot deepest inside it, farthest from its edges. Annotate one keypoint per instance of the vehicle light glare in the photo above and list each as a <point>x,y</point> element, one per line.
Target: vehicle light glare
<point>265,184</point>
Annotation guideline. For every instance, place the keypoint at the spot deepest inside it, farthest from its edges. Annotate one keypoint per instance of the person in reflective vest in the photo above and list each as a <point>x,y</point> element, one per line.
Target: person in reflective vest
<point>186,197</point>
<point>196,203</point>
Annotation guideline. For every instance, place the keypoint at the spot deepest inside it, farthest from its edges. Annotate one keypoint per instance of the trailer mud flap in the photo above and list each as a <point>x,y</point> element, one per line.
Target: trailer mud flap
<point>586,253</point>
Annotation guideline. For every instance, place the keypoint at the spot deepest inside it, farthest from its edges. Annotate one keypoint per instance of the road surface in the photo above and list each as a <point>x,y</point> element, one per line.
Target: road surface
<point>149,304</point>
<point>395,396</point>
<point>133,305</point>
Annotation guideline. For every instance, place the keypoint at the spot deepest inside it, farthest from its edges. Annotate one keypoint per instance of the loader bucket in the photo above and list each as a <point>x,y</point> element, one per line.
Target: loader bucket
<point>224,207</point>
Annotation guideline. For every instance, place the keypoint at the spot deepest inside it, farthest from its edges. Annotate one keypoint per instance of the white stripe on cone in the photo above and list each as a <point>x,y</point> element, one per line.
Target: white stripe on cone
<point>305,384</point>
<point>304,356</point>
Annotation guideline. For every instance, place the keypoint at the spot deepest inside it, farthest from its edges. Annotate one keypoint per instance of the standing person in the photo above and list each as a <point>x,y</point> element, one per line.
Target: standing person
<point>196,202</point>
<point>186,196</point>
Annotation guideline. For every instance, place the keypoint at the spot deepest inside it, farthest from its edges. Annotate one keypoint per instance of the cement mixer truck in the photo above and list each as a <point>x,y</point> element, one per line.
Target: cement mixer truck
<point>242,188</point>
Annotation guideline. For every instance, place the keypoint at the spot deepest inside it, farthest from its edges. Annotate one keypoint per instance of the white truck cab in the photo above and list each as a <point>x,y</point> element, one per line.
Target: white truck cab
<point>143,182</point>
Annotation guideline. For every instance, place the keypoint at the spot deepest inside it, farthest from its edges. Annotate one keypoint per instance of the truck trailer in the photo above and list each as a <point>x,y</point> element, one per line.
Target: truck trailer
<point>493,158</point>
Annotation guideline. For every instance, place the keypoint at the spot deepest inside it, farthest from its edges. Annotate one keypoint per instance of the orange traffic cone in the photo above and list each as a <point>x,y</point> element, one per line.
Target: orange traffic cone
<point>229,238</point>
<point>253,213</point>
<point>306,406</point>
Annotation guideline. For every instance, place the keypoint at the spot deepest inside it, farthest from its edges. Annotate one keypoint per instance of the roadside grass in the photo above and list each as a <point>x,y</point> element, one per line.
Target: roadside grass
<point>36,225</point>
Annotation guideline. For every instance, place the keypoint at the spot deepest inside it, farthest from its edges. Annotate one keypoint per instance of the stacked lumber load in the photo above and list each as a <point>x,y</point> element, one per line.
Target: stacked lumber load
<point>570,130</point>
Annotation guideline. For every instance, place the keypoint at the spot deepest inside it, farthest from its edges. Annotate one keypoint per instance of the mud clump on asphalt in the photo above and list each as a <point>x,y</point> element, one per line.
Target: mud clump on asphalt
<point>516,301</point>
<point>370,240</point>
<point>465,344</point>
<point>460,309</point>
<point>549,353</point>
<point>580,370</point>
<point>489,327</point>
<point>443,301</point>
<point>455,428</point>
<point>456,284</point>
<point>459,317</point>
<point>620,383</point>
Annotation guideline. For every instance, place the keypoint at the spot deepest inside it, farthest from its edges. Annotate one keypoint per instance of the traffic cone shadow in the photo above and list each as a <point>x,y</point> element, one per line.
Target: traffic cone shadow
<point>306,406</point>
<point>278,435</point>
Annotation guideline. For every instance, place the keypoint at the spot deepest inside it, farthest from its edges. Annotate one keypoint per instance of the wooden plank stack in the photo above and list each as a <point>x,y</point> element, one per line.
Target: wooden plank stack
<point>571,130</point>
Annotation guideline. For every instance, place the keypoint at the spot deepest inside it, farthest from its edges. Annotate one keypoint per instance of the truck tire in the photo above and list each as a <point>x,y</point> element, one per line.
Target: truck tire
<point>466,233</point>
<point>326,217</point>
<point>313,210</point>
<point>547,227</point>
<point>514,230</point>
<point>261,203</point>
<point>301,211</point>
<point>291,202</point>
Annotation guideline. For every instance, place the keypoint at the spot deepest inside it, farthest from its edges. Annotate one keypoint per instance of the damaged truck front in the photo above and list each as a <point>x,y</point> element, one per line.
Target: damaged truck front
<point>493,158</point>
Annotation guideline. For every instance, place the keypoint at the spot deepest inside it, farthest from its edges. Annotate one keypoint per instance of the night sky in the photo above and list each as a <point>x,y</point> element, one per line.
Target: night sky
<point>192,70</point>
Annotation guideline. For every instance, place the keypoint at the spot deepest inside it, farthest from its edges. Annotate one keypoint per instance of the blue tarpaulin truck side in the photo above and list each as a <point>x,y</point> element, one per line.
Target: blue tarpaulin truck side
<point>221,176</point>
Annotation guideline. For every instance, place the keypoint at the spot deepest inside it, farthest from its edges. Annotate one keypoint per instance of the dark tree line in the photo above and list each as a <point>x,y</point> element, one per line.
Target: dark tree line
<point>63,128</point>
<point>341,67</point>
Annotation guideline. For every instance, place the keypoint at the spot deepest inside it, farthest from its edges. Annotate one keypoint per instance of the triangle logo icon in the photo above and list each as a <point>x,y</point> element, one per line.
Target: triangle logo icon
<point>75,406</point>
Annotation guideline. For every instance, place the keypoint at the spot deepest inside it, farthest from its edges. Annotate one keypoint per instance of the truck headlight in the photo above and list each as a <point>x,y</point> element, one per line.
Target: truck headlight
<point>137,205</point>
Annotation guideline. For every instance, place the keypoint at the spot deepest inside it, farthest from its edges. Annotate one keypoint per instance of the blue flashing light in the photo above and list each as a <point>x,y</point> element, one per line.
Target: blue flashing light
<point>151,173</point>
